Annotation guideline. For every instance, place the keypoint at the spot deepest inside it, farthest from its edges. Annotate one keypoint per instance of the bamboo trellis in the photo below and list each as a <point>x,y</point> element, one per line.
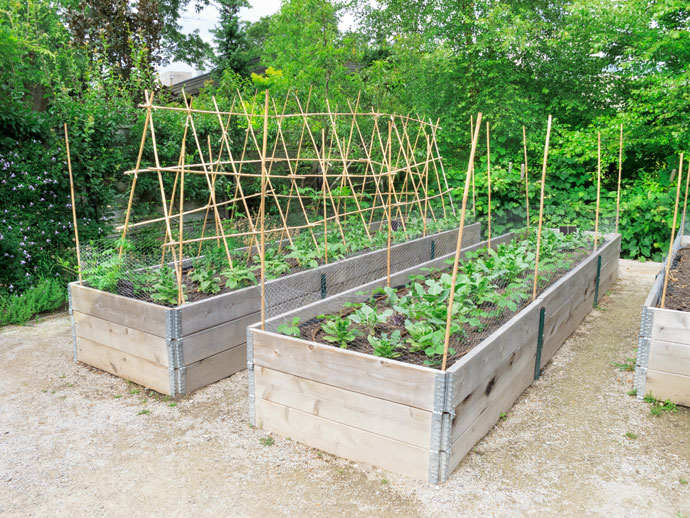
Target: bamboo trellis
<point>292,170</point>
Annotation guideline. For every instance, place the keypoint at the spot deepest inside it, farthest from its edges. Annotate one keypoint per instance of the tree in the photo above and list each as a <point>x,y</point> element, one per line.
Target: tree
<point>232,45</point>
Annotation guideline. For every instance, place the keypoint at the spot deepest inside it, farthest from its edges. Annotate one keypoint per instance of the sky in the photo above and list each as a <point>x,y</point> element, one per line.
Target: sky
<point>208,18</point>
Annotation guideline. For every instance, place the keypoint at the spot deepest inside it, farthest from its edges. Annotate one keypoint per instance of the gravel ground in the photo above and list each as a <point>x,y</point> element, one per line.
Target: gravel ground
<point>78,442</point>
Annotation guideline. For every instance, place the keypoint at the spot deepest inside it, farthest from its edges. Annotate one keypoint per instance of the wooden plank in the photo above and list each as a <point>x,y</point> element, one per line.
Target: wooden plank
<point>671,325</point>
<point>670,357</point>
<point>667,386</point>
<point>126,339</point>
<point>483,360</point>
<point>497,382</point>
<point>150,375</point>
<point>400,422</point>
<point>342,440</point>
<point>216,339</point>
<point>410,385</point>
<point>501,402</point>
<point>214,368</point>
<point>220,309</point>
<point>125,311</point>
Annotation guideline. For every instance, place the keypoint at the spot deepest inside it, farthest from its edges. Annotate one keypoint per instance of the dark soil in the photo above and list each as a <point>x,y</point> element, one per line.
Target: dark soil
<point>678,289</point>
<point>311,330</point>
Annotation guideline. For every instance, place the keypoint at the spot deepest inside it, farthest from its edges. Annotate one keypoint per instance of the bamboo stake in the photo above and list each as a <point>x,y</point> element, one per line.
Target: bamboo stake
<point>390,189</point>
<point>149,100</point>
<point>74,207</point>
<point>324,188</point>
<point>673,233</point>
<point>180,295</point>
<point>488,177</point>
<point>443,171</point>
<point>596,214</point>
<point>474,199</point>
<point>620,172</point>
<point>541,207</point>
<point>685,203</point>
<point>458,246</point>
<point>524,145</point>
<point>263,215</point>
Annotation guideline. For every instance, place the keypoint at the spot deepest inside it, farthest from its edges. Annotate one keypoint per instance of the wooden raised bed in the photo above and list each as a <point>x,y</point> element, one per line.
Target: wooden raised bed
<point>663,352</point>
<point>178,350</point>
<point>409,419</point>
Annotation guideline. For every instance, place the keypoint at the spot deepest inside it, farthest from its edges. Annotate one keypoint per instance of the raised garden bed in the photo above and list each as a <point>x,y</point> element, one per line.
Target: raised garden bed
<point>176,350</point>
<point>663,353</point>
<point>413,419</point>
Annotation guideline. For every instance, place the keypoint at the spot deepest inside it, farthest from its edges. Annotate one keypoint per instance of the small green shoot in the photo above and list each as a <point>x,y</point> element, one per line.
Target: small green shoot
<point>631,435</point>
<point>503,416</point>
<point>172,405</point>
<point>290,328</point>
<point>267,441</point>
<point>145,411</point>
<point>632,392</point>
<point>627,366</point>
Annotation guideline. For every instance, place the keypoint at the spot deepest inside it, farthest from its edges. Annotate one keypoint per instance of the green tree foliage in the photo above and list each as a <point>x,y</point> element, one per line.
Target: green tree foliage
<point>232,44</point>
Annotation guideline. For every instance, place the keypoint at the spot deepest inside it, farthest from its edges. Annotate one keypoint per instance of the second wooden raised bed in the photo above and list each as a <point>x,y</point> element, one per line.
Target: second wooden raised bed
<point>409,419</point>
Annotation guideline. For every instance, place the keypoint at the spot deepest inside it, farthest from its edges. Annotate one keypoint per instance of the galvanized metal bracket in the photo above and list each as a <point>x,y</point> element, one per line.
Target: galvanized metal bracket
<point>74,325</point>
<point>251,378</point>
<point>436,438</point>
<point>173,341</point>
<point>643,345</point>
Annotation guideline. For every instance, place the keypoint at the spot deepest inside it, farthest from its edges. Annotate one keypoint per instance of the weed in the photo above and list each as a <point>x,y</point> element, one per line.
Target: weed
<point>172,405</point>
<point>503,416</point>
<point>658,407</point>
<point>144,411</point>
<point>134,391</point>
<point>632,392</point>
<point>631,435</point>
<point>267,441</point>
<point>384,482</point>
<point>628,365</point>
<point>682,482</point>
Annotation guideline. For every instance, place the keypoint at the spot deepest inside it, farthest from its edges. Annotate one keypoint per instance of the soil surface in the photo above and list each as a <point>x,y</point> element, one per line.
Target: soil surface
<point>77,442</point>
<point>678,289</point>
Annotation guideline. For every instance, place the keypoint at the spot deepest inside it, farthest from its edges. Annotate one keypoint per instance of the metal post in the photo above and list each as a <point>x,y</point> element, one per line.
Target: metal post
<point>323,286</point>
<point>540,344</point>
<point>596,286</point>
<point>433,249</point>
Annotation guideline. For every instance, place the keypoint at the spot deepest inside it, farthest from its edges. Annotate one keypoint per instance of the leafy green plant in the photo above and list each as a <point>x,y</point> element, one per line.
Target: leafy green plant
<point>165,287</point>
<point>631,435</point>
<point>368,317</point>
<point>290,328</point>
<point>628,365</point>
<point>206,279</point>
<point>239,276</point>
<point>339,330</point>
<point>386,346</point>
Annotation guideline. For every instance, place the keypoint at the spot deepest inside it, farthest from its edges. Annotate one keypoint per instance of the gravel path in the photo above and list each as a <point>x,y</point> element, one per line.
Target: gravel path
<point>78,442</point>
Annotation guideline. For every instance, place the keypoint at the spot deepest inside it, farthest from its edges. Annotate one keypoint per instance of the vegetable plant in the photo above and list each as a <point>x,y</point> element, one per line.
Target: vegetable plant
<point>368,317</point>
<point>290,328</point>
<point>339,330</point>
<point>386,346</point>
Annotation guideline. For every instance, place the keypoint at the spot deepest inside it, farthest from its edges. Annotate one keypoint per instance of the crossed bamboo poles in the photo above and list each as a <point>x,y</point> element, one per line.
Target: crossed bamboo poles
<point>348,152</point>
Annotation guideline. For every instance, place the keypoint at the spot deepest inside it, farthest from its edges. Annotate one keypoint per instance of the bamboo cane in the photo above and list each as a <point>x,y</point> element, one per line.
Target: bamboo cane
<point>524,145</point>
<point>474,199</point>
<point>324,187</point>
<point>149,100</point>
<point>685,203</point>
<point>390,190</point>
<point>488,177</point>
<point>541,207</point>
<point>596,214</point>
<point>673,233</point>
<point>458,246</point>
<point>263,215</point>
<point>74,206</point>
<point>620,172</point>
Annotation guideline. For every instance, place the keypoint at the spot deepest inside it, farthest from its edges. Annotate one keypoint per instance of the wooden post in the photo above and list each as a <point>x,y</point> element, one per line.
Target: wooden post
<point>596,214</point>
<point>458,245</point>
<point>524,145</point>
<point>541,207</point>
<point>263,216</point>
<point>673,233</point>
<point>620,172</point>
<point>390,190</point>
<point>74,207</point>
<point>488,177</point>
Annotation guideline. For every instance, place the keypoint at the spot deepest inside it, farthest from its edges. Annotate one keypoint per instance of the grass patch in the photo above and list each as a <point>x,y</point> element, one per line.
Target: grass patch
<point>267,441</point>
<point>657,407</point>
<point>628,365</point>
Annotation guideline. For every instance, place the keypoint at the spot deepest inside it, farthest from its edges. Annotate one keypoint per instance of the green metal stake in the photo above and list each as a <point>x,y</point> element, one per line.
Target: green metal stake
<point>596,286</point>
<point>433,249</point>
<point>323,285</point>
<point>540,344</point>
